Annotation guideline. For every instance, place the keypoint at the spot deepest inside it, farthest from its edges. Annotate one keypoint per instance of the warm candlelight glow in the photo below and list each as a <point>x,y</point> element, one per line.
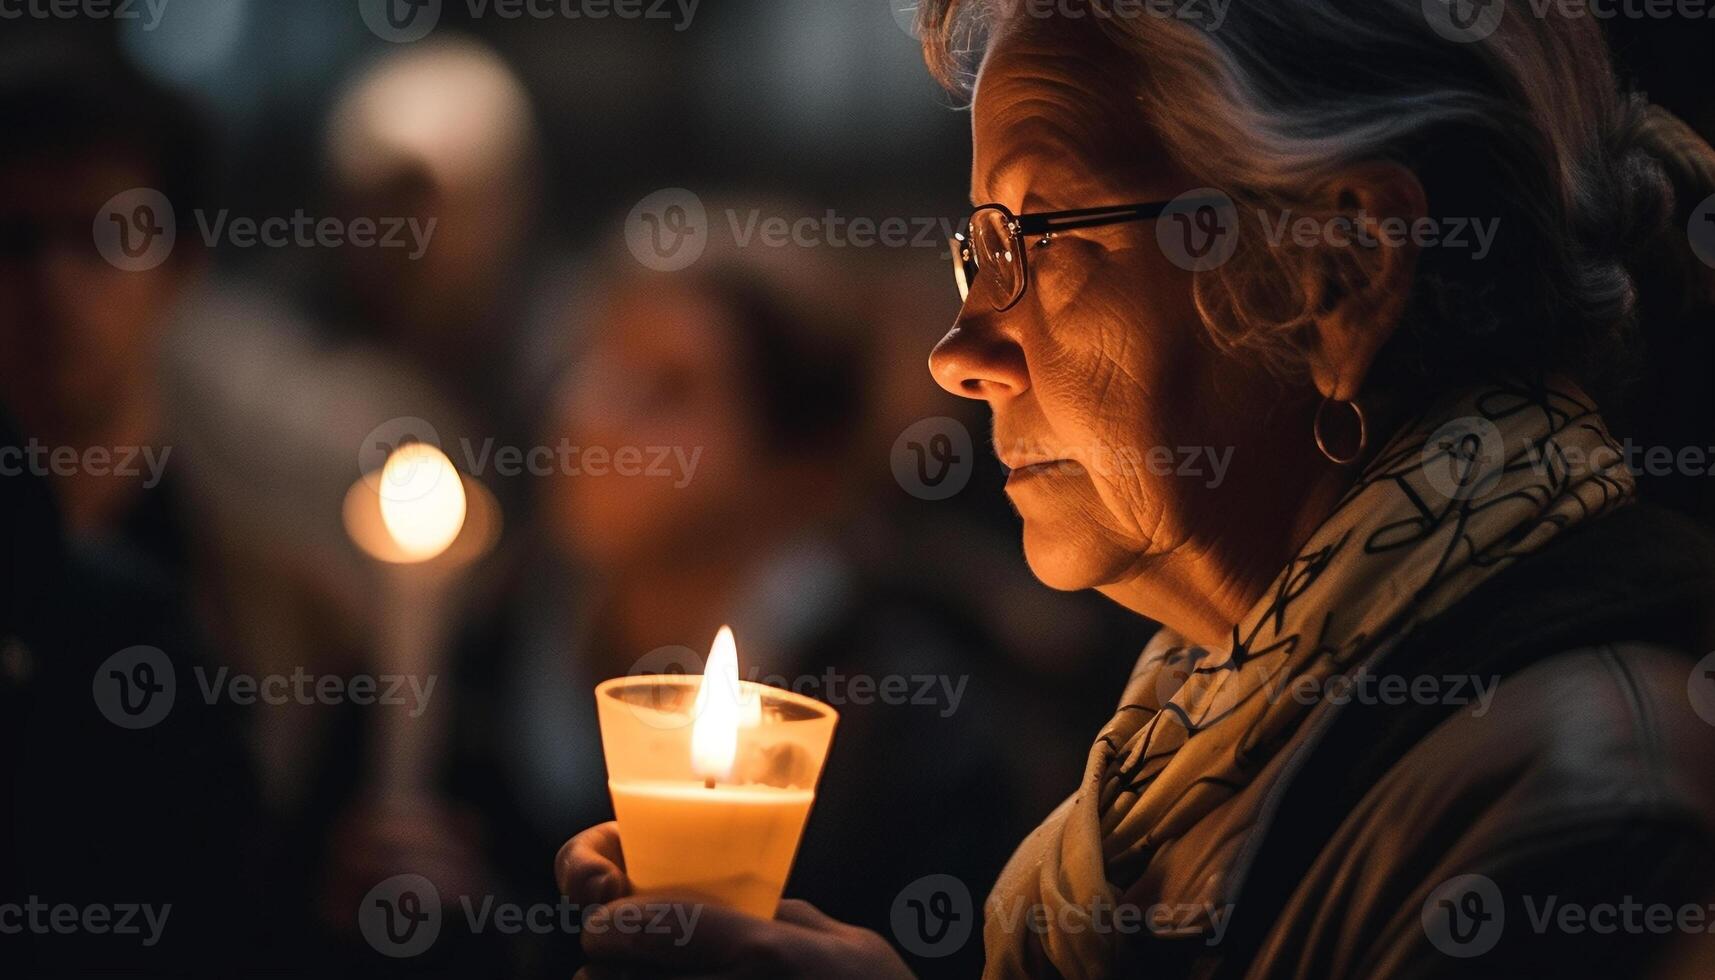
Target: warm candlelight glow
<point>422,500</point>
<point>720,711</point>
<point>712,779</point>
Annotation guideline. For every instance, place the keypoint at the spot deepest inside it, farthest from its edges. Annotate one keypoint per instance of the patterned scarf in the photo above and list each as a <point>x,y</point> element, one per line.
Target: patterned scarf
<point>1174,781</point>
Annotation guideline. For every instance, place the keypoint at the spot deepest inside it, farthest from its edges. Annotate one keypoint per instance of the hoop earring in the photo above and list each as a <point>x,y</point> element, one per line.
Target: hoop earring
<point>1322,441</point>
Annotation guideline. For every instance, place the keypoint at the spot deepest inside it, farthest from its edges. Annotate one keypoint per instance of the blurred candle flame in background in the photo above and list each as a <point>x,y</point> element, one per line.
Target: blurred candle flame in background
<point>423,500</point>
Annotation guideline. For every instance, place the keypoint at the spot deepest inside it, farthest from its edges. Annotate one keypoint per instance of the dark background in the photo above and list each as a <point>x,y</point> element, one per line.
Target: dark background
<point>263,823</point>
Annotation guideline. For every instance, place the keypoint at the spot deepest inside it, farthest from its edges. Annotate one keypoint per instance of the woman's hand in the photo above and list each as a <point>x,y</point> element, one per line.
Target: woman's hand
<point>682,936</point>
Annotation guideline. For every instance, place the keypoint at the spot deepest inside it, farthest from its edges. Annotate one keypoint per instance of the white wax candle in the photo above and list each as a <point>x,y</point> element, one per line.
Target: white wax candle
<point>734,844</point>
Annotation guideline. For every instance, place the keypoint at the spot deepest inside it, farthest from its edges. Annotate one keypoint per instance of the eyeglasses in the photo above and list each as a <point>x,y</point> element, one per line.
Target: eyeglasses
<point>991,253</point>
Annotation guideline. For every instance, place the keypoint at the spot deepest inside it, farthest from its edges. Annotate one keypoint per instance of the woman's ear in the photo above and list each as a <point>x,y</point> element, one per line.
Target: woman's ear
<point>1359,291</point>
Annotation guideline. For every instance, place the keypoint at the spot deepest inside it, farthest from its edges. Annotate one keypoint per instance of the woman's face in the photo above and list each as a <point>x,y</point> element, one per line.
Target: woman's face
<point>1132,441</point>
<point>657,384</point>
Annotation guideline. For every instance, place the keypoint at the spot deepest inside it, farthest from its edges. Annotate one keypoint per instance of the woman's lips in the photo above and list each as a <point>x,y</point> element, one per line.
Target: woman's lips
<point>1031,471</point>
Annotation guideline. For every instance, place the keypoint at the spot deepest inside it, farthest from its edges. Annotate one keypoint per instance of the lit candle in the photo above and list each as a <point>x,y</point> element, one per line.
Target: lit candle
<point>712,781</point>
<point>425,525</point>
<point>422,502</point>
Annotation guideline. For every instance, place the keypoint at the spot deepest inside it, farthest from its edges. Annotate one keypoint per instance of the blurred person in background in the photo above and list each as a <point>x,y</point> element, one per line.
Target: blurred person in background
<point>293,374</point>
<point>120,790</point>
<point>443,135</point>
<point>81,331</point>
<point>124,797</point>
<point>738,390</point>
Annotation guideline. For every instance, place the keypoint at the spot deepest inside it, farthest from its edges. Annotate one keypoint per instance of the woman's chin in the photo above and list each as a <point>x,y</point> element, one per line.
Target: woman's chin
<point>1063,557</point>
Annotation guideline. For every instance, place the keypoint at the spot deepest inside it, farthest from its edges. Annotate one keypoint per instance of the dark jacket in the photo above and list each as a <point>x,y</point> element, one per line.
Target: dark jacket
<point>101,823</point>
<point>1553,835</point>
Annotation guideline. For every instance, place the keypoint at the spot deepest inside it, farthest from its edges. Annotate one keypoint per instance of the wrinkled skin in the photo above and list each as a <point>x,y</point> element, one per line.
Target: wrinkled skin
<point>1106,359</point>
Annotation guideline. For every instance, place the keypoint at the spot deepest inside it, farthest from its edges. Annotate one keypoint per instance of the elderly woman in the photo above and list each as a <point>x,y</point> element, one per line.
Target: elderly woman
<point>1422,683</point>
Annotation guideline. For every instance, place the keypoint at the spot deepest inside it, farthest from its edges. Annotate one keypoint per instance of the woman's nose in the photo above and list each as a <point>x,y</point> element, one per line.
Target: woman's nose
<point>975,361</point>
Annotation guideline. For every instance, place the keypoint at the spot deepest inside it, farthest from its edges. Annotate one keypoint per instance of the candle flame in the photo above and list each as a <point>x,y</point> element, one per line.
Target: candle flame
<point>721,709</point>
<point>422,500</point>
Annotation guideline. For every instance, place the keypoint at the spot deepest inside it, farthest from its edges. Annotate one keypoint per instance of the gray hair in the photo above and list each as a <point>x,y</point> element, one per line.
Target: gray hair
<point>1275,99</point>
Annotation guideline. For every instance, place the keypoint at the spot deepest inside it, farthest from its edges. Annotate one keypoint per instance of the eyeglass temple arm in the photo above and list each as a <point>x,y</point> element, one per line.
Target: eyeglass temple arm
<point>1050,222</point>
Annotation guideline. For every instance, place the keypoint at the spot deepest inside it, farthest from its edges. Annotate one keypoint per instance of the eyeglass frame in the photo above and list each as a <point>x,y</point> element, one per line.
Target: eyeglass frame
<point>1048,225</point>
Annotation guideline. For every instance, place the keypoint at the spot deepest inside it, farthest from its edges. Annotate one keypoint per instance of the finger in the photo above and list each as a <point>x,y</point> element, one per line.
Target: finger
<point>802,913</point>
<point>684,933</point>
<point>590,868</point>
